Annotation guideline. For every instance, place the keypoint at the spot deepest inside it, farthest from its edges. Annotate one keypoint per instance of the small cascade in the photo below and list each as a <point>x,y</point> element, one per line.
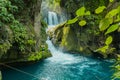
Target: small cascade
<point>53,14</point>
<point>52,18</point>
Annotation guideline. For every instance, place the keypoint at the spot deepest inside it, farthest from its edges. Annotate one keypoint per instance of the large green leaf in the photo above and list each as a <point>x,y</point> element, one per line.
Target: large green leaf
<point>82,23</point>
<point>100,9</point>
<point>112,13</point>
<point>81,11</point>
<point>112,28</point>
<point>110,20</point>
<point>109,40</point>
<point>104,24</point>
<point>103,49</point>
<point>72,21</point>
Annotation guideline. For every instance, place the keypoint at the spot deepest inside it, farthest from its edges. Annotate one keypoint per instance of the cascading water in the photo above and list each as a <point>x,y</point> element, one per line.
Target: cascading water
<point>52,18</point>
<point>50,15</point>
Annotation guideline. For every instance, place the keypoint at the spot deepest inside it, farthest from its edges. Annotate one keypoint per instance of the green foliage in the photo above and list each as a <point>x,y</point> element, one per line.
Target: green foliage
<point>87,13</point>
<point>43,53</point>
<point>80,13</point>
<point>103,50</point>
<point>6,11</point>
<point>104,24</point>
<point>7,17</point>
<point>35,56</point>
<point>72,21</point>
<point>43,32</point>
<point>110,19</point>
<point>109,40</point>
<point>116,75</point>
<point>111,0</point>
<point>112,13</point>
<point>82,23</point>
<point>21,37</point>
<point>106,49</point>
<point>112,29</point>
<point>100,9</point>
<point>20,34</point>
<point>31,42</point>
<point>4,47</point>
<point>19,3</point>
<point>109,24</point>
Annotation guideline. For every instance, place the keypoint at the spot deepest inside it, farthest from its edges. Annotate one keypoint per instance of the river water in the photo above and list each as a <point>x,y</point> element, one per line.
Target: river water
<point>62,66</point>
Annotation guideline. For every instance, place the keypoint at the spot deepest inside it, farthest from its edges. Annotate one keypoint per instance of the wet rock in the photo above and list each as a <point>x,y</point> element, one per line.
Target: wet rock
<point>72,38</point>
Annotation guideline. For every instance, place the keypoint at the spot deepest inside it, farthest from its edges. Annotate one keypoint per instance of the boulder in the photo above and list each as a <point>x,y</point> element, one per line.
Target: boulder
<point>73,39</point>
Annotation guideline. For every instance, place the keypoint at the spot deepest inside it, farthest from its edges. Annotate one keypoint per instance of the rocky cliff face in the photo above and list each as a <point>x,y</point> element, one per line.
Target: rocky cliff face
<point>34,46</point>
<point>74,39</point>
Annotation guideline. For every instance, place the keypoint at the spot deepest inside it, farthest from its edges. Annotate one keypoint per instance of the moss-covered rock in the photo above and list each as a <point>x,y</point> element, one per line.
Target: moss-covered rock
<point>21,40</point>
<point>74,38</point>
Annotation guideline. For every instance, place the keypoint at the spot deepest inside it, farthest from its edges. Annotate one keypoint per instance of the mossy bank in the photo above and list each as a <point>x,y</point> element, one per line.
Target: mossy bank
<point>22,32</point>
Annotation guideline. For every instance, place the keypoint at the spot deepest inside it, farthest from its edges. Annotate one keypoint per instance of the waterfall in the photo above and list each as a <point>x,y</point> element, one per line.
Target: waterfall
<point>52,14</point>
<point>52,18</point>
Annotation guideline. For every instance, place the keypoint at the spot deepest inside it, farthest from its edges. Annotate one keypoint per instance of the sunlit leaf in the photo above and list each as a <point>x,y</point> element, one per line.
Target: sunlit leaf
<point>100,9</point>
<point>109,40</point>
<point>117,19</point>
<point>72,21</point>
<point>87,13</point>
<point>112,28</point>
<point>112,13</point>
<point>110,20</point>
<point>81,11</point>
<point>104,24</point>
<point>103,49</point>
<point>82,23</point>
